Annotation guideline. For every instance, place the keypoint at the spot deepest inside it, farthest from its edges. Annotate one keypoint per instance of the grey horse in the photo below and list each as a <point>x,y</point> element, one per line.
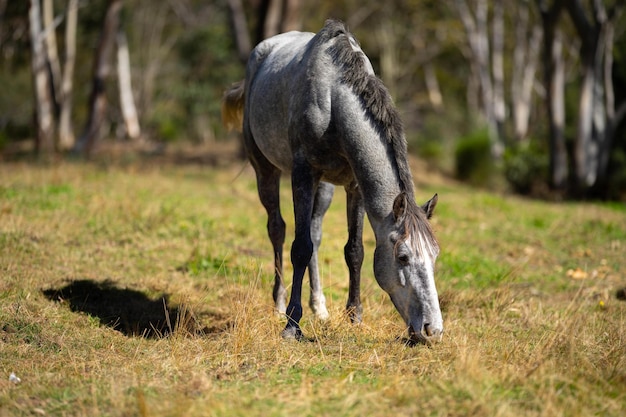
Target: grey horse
<point>311,105</point>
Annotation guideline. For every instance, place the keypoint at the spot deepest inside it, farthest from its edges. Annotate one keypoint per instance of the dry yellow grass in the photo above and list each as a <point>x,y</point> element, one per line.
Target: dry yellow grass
<point>146,290</point>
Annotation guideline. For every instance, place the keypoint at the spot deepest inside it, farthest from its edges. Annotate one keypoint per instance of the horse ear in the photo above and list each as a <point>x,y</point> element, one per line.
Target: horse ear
<point>399,206</point>
<point>429,206</point>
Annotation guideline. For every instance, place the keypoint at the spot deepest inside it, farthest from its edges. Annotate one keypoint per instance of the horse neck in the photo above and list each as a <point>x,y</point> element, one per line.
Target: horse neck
<point>374,163</point>
<point>379,184</point>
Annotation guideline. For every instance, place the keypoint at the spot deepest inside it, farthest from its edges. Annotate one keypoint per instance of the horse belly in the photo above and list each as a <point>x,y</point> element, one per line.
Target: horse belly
<point>272,140</point>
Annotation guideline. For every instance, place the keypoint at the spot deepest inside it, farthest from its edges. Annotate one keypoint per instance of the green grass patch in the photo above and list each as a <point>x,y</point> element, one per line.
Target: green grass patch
<point>146,290</point>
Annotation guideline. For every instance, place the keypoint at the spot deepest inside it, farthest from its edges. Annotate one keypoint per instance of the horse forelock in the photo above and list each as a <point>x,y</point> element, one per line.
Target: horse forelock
<point>373,94</point>
<point>418,232</point>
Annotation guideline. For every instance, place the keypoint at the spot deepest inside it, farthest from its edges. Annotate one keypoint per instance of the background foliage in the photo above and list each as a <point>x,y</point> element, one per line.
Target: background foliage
<point>184,54</point>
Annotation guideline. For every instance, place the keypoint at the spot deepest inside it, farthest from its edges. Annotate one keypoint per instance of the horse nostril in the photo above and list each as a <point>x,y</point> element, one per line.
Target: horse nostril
<point>427,329</point>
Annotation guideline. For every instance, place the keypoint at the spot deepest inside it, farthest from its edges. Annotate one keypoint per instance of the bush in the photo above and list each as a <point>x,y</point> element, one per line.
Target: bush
<point>473,158</point>
<point>525,167</point>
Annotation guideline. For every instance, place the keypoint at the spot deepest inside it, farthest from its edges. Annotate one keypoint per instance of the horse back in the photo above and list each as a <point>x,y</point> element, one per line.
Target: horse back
<point>290,83</point>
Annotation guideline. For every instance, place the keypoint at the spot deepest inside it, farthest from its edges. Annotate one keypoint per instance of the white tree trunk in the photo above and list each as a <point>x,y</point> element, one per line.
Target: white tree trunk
<point>585,149</point>
<point>497,63</point>
<point>388,56</point>
<point>66,131</point>
<point>432,85</point>
<point>51,46</point>
<point>127,102</point>
<point>477,34</point>
<point>43,102</point>
<point>557,103</point>
<point>525,61</point>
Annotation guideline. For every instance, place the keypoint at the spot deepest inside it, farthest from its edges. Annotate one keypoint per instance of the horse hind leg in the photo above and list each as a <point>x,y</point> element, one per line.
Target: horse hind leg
<point>303,183</point>
<point>268,184</point>
<point>323,198</point>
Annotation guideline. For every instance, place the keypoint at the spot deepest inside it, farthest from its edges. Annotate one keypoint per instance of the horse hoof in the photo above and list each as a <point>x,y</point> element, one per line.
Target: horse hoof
<point>320,311</point>
<point>355,313</point>
<point>292,333</point>
<point>322,314</point>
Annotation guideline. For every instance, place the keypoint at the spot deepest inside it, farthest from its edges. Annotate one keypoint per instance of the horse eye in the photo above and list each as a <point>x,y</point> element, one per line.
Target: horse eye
<point>403,259</point>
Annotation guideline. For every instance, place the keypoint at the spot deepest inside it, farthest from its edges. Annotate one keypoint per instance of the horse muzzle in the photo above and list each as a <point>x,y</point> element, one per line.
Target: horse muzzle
<point>427,336</point>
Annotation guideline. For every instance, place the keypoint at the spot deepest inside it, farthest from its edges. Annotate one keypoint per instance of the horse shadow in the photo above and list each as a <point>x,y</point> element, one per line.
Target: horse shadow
<point>132,312</point>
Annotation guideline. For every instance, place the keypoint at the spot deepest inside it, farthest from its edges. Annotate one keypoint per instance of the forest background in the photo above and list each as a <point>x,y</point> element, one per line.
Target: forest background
<point>526,93</point>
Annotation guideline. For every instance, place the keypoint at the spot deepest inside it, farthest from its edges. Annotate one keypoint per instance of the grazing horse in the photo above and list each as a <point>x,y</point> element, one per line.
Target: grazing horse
<point>311,105</point>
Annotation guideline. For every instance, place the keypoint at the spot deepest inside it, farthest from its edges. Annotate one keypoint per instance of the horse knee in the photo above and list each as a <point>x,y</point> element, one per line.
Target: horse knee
<point>353,253</point>
<point>301,252</point>
<point>276,230</point>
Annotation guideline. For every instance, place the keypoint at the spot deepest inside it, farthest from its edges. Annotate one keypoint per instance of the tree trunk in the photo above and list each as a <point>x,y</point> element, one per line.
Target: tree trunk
<point>101,71</point>
<point>614,117</point>
<point>554,79</point>
<point>242,37</point>
<point>277,16</point>
<point>594,135</point>
<point>585,150</point>
<point>292,20</point>
<point>478,39</point>
<point>3,7</point>
<point>52,51</point>
<point>432,85</point>
<point>497,63</point>
<point>388,56</point>
<point>66,131</point>
<point>525,61</point>
<point>127,102</point>
<point>269,18</point>
<point>44,143</point>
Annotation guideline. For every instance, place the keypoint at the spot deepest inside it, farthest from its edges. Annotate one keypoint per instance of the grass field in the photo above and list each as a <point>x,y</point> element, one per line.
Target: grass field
<point>137,289</point>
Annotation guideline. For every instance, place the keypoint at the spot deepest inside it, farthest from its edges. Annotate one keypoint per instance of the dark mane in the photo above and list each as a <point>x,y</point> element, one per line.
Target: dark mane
<point>374,95</point>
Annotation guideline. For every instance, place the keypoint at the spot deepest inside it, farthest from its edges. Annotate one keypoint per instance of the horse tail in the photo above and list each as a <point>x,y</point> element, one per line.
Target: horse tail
<point>232,106</point>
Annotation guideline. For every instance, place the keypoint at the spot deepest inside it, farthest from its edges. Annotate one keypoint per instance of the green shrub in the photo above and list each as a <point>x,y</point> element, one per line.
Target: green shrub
<point>525,167</point>
<point>473,160</point>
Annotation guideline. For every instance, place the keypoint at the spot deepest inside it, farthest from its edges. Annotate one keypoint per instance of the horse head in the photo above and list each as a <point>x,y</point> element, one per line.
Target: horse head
<point>404,262</point>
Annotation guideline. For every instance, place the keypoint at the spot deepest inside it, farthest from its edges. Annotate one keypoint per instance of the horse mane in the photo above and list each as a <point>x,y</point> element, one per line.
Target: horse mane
<point>423,237</point>
<point>374,96</point>
<point>381,110</point>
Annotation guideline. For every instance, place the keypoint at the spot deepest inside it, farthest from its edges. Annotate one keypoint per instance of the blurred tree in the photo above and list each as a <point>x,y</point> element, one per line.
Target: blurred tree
<point>127,101</point>
<point>277,16</point>
<point>52,54</point>
<point>444,62</point>
<point>101,71</point>
<point>489,84</point>
<point>554,82</point>
<point>528,36</point>
<point>44,106</point>
<point>3,8</point>
<point>597,116</point>
<point>66,130</point>
<point>240,28</point>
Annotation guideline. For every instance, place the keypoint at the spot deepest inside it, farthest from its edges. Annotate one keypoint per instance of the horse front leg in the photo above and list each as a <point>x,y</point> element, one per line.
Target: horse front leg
<point>303,185</point>
<point>353,251</point>
<point>323,198</point>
